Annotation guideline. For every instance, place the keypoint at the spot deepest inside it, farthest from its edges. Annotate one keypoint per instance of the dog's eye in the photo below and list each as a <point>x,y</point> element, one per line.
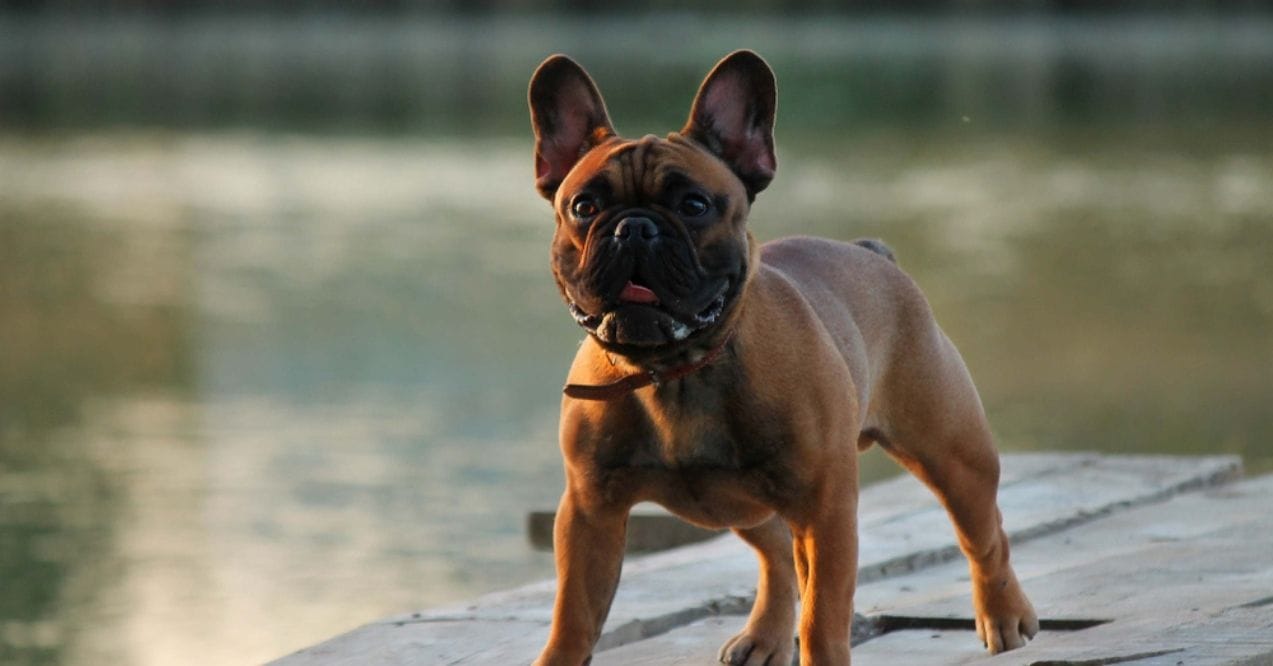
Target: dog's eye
<point>694,205</point>
<point>584,207</point>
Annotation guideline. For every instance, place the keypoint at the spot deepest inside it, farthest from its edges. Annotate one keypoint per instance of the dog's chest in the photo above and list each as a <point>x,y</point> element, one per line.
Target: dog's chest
<point>700,434</point>
<point>689,446</point>
<point>713,467</point>
<point>713,480</point>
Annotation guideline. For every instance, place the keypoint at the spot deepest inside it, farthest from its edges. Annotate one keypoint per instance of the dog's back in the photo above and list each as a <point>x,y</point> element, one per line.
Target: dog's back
<point>874,312</point>
<point>858,282</point>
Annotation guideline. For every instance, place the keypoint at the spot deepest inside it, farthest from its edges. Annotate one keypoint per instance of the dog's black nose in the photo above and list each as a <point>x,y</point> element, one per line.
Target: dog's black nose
<point>636,227</point>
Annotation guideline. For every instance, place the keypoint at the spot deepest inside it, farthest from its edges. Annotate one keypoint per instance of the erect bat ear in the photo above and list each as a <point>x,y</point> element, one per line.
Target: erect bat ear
<point>569,118</point>
<point>733,116</point>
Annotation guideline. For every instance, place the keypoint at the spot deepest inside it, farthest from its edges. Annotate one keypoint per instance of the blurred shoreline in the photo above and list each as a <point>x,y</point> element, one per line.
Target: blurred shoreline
<point>465,75</point>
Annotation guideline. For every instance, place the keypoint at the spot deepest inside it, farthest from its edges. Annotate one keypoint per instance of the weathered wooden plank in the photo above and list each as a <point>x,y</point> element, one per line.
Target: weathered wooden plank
<point>698,642</point>
<point>1168,638</point>
<point>1225,529</point>
<point>414,641</point>
<point>920,647</point>
<point>1188,581</point>
<point>1191,579</point>
<point>902,530</point>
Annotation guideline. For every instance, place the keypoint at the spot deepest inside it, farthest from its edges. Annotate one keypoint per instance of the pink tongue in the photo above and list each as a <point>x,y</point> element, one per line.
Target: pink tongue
<point>635,293</point>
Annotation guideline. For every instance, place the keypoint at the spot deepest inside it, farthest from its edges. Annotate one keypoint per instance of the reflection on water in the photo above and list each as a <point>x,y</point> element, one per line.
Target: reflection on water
<point>257,390</point>
<point>78,323</point>
<point>260,391</point>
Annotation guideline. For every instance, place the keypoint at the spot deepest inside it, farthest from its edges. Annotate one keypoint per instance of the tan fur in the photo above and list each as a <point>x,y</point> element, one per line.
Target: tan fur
<point>837,348</point>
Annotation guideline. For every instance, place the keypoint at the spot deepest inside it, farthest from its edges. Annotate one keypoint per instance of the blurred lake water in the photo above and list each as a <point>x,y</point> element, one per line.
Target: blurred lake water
<point>258,386</point>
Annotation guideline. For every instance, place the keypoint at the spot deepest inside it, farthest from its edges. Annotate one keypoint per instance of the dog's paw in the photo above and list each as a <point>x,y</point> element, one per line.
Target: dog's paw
<point>1005,618</point>
<point>759,649</point>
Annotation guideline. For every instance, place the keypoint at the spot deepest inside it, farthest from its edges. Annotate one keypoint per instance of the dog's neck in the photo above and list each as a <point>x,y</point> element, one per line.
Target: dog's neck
<point>639,376</point>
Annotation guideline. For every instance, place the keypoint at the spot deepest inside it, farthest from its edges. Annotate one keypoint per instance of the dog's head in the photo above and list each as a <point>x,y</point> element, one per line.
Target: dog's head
<point>651,248</point>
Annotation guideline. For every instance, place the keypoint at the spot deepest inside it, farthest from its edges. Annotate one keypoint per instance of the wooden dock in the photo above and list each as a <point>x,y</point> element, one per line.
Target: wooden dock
<point>1128,560</point>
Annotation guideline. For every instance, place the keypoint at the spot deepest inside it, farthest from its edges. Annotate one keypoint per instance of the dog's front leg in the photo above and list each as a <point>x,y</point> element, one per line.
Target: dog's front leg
<point>588,541</point>
<point>767,637</point>
<point>826,553</point>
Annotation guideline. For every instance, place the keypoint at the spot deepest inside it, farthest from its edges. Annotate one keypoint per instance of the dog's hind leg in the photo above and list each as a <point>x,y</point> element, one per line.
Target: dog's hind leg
<point>944,440</point>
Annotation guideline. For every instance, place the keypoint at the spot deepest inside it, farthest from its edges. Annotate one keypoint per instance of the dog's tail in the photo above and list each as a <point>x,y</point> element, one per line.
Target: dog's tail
<point>878,247</point>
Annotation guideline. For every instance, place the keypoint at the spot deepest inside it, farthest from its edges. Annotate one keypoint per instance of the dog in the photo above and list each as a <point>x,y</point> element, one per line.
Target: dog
<point>734,383</point>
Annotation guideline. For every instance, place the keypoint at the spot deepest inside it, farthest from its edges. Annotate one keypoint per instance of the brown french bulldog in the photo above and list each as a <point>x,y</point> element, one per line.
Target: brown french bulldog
<point>735,383</point>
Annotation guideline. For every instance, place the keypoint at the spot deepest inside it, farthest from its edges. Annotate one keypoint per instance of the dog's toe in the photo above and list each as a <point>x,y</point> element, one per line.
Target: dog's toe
<point>1005,617</point>
<point>748,650</point>
<point>1006,633</point>
<point>1029,626</point>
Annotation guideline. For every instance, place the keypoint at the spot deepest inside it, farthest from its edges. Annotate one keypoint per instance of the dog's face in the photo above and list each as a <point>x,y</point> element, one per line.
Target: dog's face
<point>650,244</point>
<point>651,247</point>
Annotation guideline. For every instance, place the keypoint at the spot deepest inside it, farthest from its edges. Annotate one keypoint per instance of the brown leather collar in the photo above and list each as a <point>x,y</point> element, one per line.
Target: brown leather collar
<point>622,387</point>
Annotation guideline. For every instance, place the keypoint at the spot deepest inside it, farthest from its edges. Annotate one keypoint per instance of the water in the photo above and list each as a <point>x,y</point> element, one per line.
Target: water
<point>257,388</point>
<point>261,390</point>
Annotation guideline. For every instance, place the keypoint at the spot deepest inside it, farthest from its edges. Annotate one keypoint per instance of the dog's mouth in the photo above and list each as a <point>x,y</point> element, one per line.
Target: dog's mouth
<point>638,317</point>
<point>638,293</point>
